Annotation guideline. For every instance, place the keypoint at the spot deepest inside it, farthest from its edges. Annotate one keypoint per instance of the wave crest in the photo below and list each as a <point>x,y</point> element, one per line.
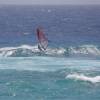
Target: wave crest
<point>82,77</point>
<point>27,50</point>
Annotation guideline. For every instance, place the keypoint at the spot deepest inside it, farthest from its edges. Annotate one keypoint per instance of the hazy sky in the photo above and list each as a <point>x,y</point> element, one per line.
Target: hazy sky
<point>49,1</point>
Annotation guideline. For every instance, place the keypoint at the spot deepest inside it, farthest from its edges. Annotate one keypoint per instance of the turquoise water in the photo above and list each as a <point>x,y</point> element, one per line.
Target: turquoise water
<point>49,78</point>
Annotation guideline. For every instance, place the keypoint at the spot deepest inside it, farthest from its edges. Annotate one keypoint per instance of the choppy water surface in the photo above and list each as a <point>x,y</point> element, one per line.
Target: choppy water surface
<point>70,67</point>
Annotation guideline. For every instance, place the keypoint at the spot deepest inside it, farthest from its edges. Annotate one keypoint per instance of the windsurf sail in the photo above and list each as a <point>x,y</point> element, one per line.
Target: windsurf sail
<point>43,41</point>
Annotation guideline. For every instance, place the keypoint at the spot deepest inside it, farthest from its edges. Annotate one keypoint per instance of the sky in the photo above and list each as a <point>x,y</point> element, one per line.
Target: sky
<point>51,2</point>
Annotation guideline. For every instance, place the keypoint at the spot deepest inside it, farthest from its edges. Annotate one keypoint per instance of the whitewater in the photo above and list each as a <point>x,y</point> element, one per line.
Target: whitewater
<point>29,50</point>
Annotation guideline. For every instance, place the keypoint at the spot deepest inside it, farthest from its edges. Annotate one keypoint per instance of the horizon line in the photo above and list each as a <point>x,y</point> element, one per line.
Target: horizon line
<point>48,4</point>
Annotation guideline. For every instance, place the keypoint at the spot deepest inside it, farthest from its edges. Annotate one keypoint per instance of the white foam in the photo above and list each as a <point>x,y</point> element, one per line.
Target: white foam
<point>29,50</point>
<point>55,51</point>
<point>82,77</point>
<point>9,51</point>
<point>85,50</point>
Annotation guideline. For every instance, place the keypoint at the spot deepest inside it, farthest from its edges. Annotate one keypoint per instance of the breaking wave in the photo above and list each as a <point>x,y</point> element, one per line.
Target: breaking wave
<point>28,50</point>
<point>82,77</point>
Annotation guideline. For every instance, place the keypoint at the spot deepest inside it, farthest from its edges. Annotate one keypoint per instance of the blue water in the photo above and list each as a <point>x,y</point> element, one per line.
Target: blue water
<point>70,67</point>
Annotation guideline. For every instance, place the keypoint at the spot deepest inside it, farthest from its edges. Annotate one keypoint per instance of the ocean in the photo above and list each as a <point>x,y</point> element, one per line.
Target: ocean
<point>69,69</point>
